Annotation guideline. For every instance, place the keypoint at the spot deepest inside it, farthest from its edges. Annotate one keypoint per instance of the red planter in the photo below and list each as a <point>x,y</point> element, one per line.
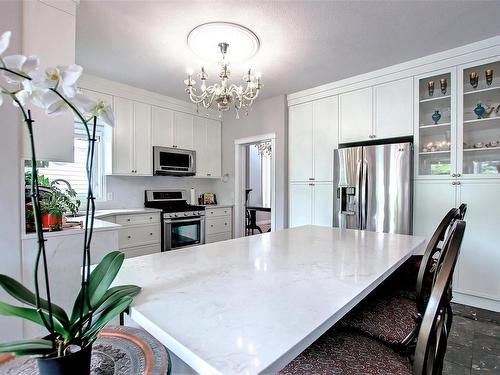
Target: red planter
<point>49,221</point>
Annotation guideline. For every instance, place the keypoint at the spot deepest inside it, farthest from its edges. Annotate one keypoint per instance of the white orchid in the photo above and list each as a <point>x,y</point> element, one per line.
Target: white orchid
<point>90,108</point>
<point>62,78</point>
<point>22,67</point>
<point>4,41</point>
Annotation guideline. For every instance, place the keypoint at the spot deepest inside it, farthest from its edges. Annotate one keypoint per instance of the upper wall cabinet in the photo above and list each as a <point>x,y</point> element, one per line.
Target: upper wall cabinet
<point>356,116</point>
<point>131,145</point>
<point>313,129</point>
<point>378,112</point>
<point>394,109</point>
<point>54,136</point>
<point>172,129</point>
<point>207,144</point>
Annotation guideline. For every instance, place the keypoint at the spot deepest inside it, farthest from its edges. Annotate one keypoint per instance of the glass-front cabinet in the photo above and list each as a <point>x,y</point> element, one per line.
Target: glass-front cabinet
<point>435,133</point>
<point>479,119</point>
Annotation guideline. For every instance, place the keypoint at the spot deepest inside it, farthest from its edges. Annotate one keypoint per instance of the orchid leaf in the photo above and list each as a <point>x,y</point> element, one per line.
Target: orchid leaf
<point>23,294</point>
<point>33,316</point>
<point>112,296</point>
<point>106,316</point>
<point>99,281</point>
<point>23,347</point>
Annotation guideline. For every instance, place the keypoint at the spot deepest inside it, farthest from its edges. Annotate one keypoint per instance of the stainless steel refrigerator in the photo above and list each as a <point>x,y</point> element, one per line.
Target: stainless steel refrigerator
<point>374,188</point>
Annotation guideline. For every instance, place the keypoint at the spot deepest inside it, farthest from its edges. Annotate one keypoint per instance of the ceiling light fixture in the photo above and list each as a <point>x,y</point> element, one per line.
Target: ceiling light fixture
<point>206,39</point>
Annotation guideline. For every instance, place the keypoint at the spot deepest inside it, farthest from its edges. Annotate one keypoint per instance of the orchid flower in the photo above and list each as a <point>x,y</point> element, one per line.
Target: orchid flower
<point>4,41</point>
<point>61,77</point>
<point>93,108</point>
<point>22,65</point>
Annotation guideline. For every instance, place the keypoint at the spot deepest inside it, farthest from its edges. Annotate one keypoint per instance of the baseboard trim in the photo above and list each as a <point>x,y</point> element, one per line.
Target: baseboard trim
<point>483,303</point>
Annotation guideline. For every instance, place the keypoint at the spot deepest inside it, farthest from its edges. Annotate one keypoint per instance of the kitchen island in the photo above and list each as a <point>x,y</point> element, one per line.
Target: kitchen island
<point>250,305</point>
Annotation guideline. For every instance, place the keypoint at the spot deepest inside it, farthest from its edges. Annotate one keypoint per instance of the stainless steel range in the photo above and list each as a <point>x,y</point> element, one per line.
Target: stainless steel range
<point>183,224</point>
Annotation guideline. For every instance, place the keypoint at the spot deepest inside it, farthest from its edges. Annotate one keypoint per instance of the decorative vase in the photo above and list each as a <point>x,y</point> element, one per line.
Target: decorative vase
<point>77,363</point>
<point>479,110</point>
<point>436,116</point>
<point>430,87</point>
<point>474,79</point>
<point>489,76</point>
<point>444,85</point>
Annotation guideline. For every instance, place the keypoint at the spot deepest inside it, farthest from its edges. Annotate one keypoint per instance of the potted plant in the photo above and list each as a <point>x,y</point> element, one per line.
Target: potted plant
<point>67,346</point>
<point>55,203</point>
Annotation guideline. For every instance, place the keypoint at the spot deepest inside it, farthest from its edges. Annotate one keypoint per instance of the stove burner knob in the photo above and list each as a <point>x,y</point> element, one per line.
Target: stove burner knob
<point>186,213</point>
<point>175,215</point>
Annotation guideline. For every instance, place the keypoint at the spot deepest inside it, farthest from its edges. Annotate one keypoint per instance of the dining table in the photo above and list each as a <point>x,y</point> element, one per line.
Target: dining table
<point>250,305</point>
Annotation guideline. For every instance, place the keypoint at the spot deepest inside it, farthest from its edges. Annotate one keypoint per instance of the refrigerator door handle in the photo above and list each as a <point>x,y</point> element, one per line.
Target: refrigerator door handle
<point>364,195</point>
<point>359,193</point>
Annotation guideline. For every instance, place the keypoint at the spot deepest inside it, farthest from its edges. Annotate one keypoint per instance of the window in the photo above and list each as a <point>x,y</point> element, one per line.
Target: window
<point>75,173</point>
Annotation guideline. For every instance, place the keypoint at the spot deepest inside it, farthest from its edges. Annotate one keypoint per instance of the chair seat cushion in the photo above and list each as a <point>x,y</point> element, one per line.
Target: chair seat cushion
<point>389,317</point>
<point>348,353</point>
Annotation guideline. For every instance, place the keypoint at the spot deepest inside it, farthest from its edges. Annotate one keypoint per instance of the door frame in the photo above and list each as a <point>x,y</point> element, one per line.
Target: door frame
<point>240,157</point>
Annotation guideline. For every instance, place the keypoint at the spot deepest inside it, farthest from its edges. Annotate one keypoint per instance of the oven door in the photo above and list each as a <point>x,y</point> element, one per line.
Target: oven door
<point>180,233</point>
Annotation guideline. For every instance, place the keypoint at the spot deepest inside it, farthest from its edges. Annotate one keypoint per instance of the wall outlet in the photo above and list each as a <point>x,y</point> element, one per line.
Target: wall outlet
<point>110,196</point>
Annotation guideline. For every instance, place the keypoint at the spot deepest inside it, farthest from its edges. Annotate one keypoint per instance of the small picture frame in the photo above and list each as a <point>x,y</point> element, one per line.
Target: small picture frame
<point>209,198</point>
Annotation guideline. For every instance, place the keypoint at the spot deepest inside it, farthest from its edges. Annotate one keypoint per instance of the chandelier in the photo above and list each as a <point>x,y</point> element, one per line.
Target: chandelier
<point>223,94</point>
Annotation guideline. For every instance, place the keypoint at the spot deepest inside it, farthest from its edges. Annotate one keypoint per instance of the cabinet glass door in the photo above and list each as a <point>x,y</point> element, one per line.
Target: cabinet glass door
<point>435,134</point>
<point>479,148</point>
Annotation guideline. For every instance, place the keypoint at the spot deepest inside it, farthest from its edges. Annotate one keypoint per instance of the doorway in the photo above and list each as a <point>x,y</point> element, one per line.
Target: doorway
<point>255,185</point>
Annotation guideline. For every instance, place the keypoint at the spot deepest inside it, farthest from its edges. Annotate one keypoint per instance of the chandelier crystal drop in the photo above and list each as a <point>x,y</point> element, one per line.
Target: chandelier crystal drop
<point>224,94</point>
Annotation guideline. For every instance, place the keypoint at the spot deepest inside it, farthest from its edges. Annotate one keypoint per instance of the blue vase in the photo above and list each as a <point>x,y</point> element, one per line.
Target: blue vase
<point>479,110</point>
<point>436,116</point>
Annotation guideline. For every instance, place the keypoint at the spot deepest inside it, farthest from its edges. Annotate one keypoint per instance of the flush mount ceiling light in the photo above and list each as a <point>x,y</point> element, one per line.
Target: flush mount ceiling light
<point>221,41</point>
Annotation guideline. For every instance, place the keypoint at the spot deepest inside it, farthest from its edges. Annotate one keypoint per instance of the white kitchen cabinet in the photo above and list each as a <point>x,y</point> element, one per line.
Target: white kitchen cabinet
<point>122,137</point>
<point>214,148</point>
<point>300,206</point>
<point>207,144</point>
<point>218,224</point>
<point>310,203</point>
<point>162,127</point>
<point>41,23</point>
<point>356,115</point>
<point>477,271</point>
<point>478,255</point>
<point>432,200</point>
<point>183,130</point>
<point>394,109</point>
<point>325,137</point>
<point>322,204</point>
<point>313,129</point>
<point>131,147</point>
<point>300,142</point>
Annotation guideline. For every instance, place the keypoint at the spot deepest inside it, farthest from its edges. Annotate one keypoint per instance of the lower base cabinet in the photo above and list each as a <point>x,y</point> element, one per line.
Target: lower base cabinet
<point>477,276</point>
<point>310,203</point>
<point>218,224</point>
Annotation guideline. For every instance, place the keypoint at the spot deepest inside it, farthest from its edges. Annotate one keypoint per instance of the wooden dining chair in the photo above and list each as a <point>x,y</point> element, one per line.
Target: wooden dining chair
<point>348,352</point>
<point>393,315</point>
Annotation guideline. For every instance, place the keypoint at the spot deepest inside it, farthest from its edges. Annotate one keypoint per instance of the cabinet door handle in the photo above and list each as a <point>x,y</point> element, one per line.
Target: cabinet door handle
<point>150,234</point>
<point>150,218</point>
<point>209,174</point>
<point>128,219</point>
<point>225,223</point>
<point>458,182</point>
<point>211,225</point>
<point>453,175</point>
<point>311,178</point>
<point>458,175</point>
<point>311,184</point>
<point>453,183</point>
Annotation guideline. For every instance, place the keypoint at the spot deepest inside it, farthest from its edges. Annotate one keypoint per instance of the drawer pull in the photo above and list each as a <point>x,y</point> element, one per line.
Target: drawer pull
<point>150,218</point>
<point>128,219</point>
<point>129,237</point>
<point>150,234</point>
<point>211,225</point>
<point>225,223</point>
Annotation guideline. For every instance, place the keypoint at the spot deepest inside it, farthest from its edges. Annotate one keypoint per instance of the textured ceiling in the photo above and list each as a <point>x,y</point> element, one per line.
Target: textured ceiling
<point>303,43</point>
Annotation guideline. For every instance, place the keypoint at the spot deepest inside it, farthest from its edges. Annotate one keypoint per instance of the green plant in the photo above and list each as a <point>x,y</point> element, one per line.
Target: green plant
<point>57,202</point>
<point>106,303</point>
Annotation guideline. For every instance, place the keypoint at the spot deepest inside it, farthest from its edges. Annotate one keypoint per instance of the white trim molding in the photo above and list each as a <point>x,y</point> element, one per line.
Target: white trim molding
<point>441,60</point>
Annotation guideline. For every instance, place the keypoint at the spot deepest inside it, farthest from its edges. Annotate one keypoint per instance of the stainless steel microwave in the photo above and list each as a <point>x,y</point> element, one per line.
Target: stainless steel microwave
<point>170,161</point>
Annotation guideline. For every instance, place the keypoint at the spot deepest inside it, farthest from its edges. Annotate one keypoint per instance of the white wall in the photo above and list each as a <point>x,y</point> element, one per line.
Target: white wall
<point>10,144</point>
<point>128,192</point>
<point>266,116</point>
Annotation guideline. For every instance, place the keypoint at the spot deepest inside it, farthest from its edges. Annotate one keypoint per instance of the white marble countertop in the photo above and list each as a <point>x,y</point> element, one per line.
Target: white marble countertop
<point>124,211</point>
<point>250,305</point>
